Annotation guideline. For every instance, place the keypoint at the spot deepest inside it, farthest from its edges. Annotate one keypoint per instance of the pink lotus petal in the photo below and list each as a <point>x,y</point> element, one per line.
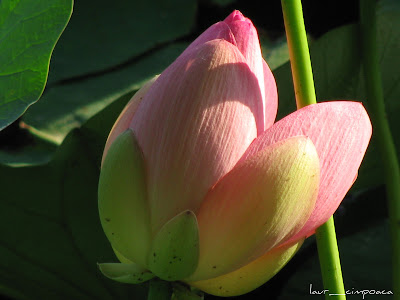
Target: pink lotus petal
<point>219,30</point>
<point>235,16</point>
<point>340,131</point>
<point>241,32</point>
<point>271,96</point>
<point>261,202</point>
<point>247,41</point>
<point>194,124</point>
<point>126,115</point>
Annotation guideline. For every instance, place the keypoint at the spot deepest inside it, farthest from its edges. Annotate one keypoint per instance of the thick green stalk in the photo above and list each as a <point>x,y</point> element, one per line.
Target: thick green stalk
<point>373,85</point>
<point>159,290</point>
<point>299,55</point>
<point>305,95</point>
<point>328,254</point>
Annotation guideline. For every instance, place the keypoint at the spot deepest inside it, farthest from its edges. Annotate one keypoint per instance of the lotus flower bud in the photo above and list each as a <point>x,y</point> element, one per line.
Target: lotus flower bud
<point>199,185</point>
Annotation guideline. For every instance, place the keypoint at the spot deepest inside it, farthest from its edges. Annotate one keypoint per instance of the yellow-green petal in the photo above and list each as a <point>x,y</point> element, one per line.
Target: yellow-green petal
<point>125,273</point>
<point>261,203</point>
<point>122,258</point>
<point>251,276</point>
<point>123,209</point>
<point>175,249</point>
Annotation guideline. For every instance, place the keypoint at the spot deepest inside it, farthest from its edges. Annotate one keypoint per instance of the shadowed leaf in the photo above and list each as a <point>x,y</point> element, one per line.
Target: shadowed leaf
<point>29,31</point>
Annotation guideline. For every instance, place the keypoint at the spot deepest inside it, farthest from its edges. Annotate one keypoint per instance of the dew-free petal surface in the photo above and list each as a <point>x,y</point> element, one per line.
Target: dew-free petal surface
<point>250,276</point>
<point>127,114</point>
<point>271,96</point>
<point>123,208</point>
<point>174,251</point>
<point>240,31</point>
<point>125,273</point>
<point>122,258</point>
<point>194,124</point>
<point>340,131</point>
<point>219,30</point>
<point>261,202</point>
<point>246,38</point>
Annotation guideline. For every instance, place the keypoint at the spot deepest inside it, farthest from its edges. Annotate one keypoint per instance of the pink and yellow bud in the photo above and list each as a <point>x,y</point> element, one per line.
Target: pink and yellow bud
<point>198,184</point>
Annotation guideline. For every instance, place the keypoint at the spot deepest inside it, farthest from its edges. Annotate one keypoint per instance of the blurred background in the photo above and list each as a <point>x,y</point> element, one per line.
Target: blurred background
<point>50,235</point>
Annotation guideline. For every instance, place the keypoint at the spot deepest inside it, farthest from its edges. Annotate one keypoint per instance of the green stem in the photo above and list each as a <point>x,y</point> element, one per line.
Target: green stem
<point>305,95</point>
<point>159,290</point>
<point>299,54</point>
<point>184,292</point>
<point>328,254</point>
<point>373,85</point>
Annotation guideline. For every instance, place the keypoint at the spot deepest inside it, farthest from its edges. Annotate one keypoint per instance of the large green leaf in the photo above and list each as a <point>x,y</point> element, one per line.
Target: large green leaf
<point>222,2</point>
<point>28,33</point>
<point>104,34</point>
<point>275,53</point>
<point>36,152</point>
<point>50,235</point>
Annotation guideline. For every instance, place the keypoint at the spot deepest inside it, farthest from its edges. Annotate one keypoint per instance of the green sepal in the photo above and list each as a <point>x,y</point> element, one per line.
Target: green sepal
<point>123,208</point>
<point>125,273</point>
<point>175,250</point>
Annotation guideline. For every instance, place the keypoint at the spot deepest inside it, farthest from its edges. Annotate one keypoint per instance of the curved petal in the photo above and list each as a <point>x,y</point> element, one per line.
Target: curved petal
<point>126,115</point>
<point>246,39</point>
<point>175,248</point>
<point>271,96</point>
<point>247,42</point>
<point>340,131</point>
<point>261,202</point>
<point>123,209</point>
<point>194,124</point>
<point>126,273</point>
<point>219,30</point>
<point>121,258</point>
<point>251,276</point>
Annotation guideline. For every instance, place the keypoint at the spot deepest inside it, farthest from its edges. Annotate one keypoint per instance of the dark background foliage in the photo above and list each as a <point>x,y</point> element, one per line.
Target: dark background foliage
<point>50,235</point>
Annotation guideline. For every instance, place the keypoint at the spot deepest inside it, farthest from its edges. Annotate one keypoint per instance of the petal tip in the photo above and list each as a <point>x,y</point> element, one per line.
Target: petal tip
<point>235,16</point>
